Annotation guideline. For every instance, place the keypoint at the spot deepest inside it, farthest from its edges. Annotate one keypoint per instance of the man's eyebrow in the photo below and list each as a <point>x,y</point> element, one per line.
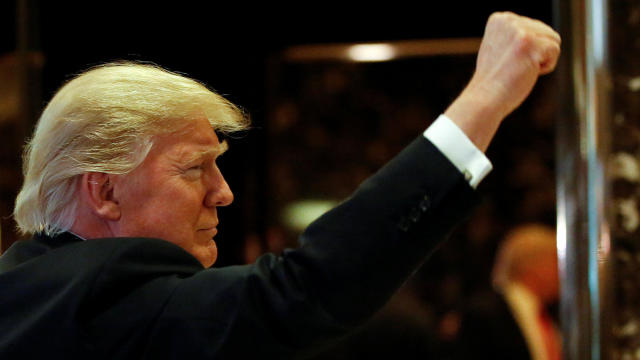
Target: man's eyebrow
<point>222,148</point>
<point>213,152</point>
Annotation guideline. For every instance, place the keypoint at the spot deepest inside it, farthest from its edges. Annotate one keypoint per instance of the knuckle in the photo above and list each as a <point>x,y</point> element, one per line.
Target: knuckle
<point>504,20</point>
<point>524,40</point>
<point>503,14</point>
<point>497,16</point>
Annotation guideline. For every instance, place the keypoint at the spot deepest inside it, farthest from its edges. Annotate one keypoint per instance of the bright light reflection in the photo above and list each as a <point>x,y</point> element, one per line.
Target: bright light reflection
<point>561,239</point>
<point>371,52</point>
<point>298,215</point>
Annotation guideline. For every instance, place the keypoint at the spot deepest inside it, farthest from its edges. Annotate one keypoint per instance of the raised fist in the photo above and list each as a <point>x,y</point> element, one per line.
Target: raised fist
<point>515,51</point>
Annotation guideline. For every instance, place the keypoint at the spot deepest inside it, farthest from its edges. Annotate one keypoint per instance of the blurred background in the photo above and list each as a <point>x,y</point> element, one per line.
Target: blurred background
<point>323,121</point>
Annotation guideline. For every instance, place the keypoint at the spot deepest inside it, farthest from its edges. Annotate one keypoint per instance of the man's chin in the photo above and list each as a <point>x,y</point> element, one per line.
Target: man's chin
<point>208,254</point>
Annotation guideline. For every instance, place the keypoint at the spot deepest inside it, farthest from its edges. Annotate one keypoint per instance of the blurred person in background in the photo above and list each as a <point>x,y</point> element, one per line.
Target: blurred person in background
<point>516,321</point>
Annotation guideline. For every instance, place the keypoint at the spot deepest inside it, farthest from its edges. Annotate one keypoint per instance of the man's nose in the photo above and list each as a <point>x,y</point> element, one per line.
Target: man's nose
<point>219,193</point>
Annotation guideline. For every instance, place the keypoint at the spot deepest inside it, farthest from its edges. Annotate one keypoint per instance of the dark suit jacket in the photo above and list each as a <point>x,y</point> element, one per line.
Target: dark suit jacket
<point>137,298</point>
<point>490,331</point>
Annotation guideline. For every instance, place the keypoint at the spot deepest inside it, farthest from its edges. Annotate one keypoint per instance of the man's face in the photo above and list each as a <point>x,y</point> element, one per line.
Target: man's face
<point>174,193</point>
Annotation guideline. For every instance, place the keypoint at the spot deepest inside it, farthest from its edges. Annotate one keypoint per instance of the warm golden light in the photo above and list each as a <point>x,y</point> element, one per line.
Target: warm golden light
<point>371,52</point>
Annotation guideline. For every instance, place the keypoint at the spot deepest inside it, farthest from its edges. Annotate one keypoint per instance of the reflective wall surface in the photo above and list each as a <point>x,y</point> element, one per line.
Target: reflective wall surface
<point>599,177</point>
<point>624,17</point>
<point>583,148</point>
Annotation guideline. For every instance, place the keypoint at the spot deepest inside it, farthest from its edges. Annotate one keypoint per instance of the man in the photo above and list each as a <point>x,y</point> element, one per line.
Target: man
<point>514,322</point>
<point>121,193</point>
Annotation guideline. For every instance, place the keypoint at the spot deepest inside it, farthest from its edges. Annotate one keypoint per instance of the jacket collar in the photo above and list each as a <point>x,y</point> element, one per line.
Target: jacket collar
<point>58,240</point>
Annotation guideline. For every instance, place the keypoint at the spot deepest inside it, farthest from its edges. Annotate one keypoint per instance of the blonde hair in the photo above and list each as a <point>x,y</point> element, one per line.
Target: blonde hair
<point>104,120</point>
<point>520,249</point>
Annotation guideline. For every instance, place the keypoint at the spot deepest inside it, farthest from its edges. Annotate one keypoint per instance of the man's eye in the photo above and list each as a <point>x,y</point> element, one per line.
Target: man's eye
<point>194,170</point>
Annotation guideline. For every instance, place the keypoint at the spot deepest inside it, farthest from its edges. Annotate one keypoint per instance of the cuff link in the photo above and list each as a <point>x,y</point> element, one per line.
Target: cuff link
<point>467,175</point>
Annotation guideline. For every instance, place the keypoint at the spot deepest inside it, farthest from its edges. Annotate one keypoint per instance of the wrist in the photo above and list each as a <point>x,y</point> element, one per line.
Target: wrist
<point>477,114</point>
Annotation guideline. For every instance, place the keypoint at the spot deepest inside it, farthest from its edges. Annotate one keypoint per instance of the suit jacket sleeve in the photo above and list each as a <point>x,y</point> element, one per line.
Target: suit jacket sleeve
<point>352,260</point>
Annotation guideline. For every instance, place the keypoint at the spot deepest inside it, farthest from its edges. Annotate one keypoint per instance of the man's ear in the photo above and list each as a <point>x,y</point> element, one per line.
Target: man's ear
<point>97,189</point>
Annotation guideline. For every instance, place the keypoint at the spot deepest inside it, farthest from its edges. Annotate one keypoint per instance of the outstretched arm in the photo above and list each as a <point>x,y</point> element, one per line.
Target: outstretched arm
<point>514,52</point>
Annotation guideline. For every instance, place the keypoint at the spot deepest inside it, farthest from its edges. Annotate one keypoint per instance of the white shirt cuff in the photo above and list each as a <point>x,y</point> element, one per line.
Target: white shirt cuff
<point>457,147</point>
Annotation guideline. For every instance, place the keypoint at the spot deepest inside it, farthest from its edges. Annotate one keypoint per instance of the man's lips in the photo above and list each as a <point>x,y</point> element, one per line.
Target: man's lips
<point>211,230</point>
